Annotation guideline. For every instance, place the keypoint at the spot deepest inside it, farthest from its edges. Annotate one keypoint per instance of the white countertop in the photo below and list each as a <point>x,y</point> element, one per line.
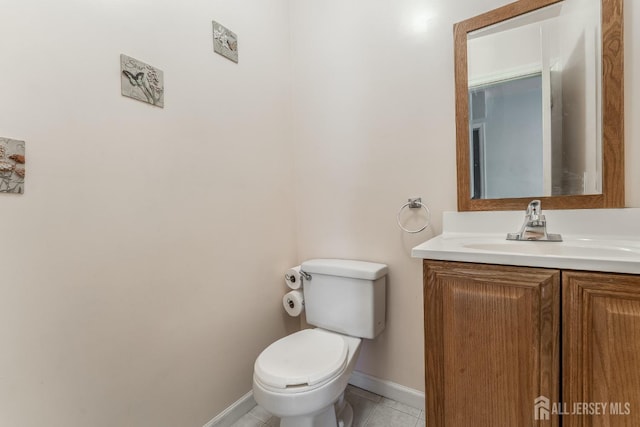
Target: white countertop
<point>593,240</point>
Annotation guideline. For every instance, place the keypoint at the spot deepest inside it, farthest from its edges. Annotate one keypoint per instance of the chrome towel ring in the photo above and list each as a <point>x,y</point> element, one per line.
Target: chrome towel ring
<point>414,204</point>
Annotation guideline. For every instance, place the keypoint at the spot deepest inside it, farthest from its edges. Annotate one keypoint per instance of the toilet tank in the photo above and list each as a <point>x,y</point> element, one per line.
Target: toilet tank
<point>345,296</point>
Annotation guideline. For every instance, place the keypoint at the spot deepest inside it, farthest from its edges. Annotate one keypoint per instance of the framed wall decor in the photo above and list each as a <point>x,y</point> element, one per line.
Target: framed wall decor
<point>225,42</point>
<point>12,165</point>
<point>141,81</point>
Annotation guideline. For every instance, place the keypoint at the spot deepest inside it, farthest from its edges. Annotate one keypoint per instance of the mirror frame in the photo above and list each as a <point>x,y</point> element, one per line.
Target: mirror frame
<point>612,195</point>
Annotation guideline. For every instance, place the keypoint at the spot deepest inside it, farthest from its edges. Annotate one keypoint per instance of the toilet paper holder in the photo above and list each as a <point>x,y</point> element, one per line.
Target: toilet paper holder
<point>293,303</point>
<point>303,275</point>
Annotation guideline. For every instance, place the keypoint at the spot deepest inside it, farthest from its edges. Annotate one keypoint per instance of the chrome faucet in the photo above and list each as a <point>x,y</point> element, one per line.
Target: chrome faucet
<point>534,227</point>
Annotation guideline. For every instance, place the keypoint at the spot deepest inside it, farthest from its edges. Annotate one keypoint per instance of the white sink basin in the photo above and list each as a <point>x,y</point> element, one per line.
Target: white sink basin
<point>578,253</point>
<point>593,240</point>
<point>579,248</point>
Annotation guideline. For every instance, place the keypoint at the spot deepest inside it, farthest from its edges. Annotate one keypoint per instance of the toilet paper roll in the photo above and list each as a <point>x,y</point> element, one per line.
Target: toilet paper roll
<point>292,278</point>
<point>293,303</point>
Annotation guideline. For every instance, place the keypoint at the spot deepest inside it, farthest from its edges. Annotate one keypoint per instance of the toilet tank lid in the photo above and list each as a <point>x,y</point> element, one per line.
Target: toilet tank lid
<point>345,268</point>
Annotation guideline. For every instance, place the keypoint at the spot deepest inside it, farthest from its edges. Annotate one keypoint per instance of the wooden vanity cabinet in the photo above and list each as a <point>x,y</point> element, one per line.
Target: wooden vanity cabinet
<point>601,347</point>
<point>493,345</point>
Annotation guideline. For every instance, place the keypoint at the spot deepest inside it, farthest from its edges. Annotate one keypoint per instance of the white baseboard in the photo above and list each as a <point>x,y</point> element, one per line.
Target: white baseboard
<point>388,389</point>
<point>234,412</point>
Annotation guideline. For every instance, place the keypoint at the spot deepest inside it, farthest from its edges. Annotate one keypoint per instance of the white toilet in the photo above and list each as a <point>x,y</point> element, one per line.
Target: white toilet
<point>301,378</point>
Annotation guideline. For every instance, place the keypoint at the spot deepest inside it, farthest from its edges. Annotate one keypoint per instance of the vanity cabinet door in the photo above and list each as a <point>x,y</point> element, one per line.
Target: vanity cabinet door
<point>601,348</point>
<point>491,343</point>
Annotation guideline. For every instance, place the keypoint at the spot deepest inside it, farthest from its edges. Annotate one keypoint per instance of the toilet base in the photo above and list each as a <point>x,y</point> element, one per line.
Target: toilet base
<point>345,418</point>
<point>325,418</point>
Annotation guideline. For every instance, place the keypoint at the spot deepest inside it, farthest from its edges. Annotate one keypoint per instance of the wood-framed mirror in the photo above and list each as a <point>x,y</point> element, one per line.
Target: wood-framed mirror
<point>553,122</point>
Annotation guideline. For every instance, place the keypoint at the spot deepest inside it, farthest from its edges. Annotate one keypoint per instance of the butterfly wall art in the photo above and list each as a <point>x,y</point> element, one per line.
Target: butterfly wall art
<point>141,81</point>
<point>12,161</point>
<point>225,42</point>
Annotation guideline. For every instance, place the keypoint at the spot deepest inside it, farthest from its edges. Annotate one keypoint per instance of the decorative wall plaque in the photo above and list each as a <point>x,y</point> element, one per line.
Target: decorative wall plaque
<point>141,81</point>
<point>12,166</point>
<point>225,42</point>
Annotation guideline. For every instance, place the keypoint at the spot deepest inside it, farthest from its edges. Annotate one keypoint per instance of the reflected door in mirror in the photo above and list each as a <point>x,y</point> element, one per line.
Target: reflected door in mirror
<point>506,138</point>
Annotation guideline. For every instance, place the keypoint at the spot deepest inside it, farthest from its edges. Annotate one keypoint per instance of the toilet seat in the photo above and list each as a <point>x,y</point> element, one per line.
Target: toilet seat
<point>302,361</point>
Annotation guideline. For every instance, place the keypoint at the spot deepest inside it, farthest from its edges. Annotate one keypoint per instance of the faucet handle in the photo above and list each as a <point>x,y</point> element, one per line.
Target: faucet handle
<point>535,226</point>
<point>534,208</point>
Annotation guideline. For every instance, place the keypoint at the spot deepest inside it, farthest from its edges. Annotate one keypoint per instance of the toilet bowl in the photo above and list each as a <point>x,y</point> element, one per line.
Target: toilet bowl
<point>301,378</point>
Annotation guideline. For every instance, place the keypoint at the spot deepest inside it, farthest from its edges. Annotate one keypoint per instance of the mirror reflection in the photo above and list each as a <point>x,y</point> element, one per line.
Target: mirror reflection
<point>534,94</point>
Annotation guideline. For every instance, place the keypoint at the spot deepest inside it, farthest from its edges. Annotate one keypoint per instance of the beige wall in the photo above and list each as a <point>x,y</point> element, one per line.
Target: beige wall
<point>142,270</point>
<point>374,125</point>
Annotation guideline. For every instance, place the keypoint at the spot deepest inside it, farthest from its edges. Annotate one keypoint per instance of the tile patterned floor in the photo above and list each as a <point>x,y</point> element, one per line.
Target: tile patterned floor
<point>369,410</point>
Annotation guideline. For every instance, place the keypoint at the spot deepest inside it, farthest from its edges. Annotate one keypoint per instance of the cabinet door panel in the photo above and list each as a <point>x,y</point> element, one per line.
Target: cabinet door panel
<point>602,347</point>
<point>491,343</point>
